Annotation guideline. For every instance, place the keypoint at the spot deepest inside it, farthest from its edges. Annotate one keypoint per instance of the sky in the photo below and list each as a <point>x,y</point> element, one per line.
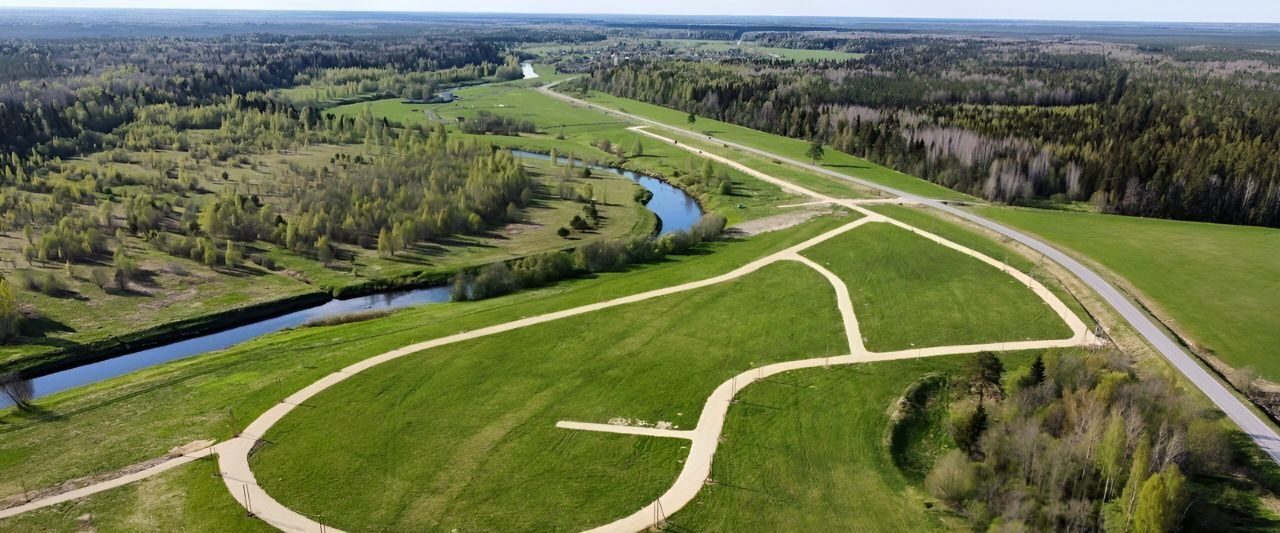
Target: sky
<point>1108,10</point>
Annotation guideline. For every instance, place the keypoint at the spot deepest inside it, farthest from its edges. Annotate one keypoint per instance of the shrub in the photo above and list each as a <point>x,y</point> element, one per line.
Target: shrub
<point>601,256</point>
<point>52,285</point>
<point>709,227</point>
<point>952,479</point>
<point>346,318</point>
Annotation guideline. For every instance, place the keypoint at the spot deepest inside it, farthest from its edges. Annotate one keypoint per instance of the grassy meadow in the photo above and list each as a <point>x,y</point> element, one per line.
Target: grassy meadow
<point>909,292</point>
<point>1218,285</point>
<point>188,498</point>
<point>807,451</point>
<point>132,418</point>
<point>472,426</point>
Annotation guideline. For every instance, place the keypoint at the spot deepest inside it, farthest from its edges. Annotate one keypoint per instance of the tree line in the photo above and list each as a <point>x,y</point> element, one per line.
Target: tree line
<point>1010,122</point>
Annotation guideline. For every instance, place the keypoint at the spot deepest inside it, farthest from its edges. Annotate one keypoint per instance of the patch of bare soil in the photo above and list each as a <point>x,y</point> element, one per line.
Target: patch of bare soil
<point>776,222</point>
<point>518,228</point>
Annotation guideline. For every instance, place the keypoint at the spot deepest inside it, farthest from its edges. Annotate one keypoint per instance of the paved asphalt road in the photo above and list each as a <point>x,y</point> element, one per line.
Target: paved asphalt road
<point>1255,427</point>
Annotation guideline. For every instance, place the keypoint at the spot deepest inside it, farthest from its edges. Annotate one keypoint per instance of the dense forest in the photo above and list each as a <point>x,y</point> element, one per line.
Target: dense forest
<point>61,98</point>
<point>1134,131</point>
<point>106,142</point>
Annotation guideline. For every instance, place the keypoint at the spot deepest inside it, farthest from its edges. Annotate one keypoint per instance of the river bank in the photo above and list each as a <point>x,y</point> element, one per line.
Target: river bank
<point>672,208</point>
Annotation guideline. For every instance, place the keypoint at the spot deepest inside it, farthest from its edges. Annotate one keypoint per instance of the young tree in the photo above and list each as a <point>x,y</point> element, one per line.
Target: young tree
<point>126,269</point>
<point>1035,375</point>
<point>100,277</point>
<point>10,315</point>
<point>324,253</point>
<point>563,232</point>
<point>638,149</point>
<point>1139,470</point>
<point>579,224</point>
<point>691,119</point>
<point>231,257</point>
<point>1161,502</point>
<point>815,152</point>
<point>385,246</point>
<point>555,157</point>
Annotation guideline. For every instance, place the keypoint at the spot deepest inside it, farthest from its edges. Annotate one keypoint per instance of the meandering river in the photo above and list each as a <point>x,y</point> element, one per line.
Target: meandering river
<point>675,210</point>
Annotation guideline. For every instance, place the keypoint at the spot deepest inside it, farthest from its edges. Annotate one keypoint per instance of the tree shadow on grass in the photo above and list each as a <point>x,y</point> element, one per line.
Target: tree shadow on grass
<point>42,326</point>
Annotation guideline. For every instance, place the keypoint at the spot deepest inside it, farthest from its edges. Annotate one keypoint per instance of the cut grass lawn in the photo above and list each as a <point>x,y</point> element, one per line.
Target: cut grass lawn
<point>189,498</point>
<point>949,228</point>
<point>139,416</point>
<point>791,148</point>
<point>463,436</point>
<point>1218,285</point>
<point>909,292</point>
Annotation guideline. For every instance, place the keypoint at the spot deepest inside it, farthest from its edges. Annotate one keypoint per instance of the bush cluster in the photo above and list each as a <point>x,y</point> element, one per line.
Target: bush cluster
<point>498,279</point>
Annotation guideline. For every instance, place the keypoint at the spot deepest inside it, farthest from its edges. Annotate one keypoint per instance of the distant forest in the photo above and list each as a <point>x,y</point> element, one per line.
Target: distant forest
<point>1183,133</point>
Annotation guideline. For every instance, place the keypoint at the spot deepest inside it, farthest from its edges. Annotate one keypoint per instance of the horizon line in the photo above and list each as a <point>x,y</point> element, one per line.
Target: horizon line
<point>635,14</point>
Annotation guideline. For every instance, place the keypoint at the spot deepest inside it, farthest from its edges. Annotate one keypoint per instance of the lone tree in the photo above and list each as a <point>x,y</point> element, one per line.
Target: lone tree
<point>984,374</point>
<point>563,232</point>
<point>1035,375</point>
<point>815,152</point>
<point>638,149</point>
<point>692,118</point>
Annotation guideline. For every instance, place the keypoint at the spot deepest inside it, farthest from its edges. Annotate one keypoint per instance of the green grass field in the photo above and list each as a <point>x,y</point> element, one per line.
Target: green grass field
<point>791,148</point>
<point>909,292</point>
<point>806,451</point>
<point>141,415</point>
<point>471,428</point>
<point>949,228</point>
<point>188,498</point>
<point>1218,285</point>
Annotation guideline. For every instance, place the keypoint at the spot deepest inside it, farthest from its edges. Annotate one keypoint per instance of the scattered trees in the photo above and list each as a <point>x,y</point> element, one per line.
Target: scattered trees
<point>1081,443</point>
<point>597,256</point>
